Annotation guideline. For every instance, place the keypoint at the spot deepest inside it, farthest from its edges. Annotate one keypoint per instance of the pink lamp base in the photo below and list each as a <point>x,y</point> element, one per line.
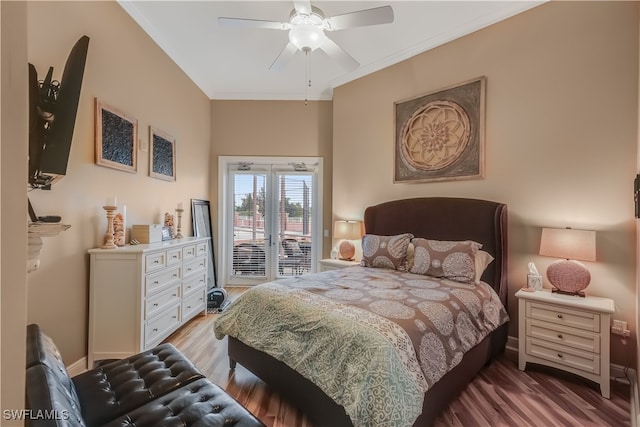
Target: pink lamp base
<point>346,250</point>
<point>568,277</point>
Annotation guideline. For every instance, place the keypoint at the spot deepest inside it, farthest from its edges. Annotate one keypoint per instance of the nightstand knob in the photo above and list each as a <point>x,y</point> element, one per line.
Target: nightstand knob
<point>560,336</point>
<point>560,355</point>
<point>559,316</point>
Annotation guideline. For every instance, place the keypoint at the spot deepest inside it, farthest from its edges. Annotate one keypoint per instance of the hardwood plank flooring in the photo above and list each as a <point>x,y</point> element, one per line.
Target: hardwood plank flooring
<point>500,395</point>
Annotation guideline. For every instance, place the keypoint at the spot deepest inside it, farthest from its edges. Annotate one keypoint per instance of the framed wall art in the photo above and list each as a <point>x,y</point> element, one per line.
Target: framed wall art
<point>162,155</point>
<point>440,136</point>
<point>116,139</point>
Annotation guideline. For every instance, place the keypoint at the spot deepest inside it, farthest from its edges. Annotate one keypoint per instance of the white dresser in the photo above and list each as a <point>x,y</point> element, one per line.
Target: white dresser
<point>566,332</point>
<point>140,294</point>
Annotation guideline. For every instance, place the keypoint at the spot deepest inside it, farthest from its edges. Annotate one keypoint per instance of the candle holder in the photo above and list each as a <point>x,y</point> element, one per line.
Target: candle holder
<point>110,242</point>
<point>179,227</point>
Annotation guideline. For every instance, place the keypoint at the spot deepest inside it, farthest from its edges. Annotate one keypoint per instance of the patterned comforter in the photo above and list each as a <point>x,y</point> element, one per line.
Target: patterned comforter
<point>374,340</point>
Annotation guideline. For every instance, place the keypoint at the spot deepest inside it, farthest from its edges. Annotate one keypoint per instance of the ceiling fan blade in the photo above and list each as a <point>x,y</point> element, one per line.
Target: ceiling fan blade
<point>252,23</point>
<point>337,53</point>
<point>361,18</point>
<point>303,7</point>
<point>284,57</point>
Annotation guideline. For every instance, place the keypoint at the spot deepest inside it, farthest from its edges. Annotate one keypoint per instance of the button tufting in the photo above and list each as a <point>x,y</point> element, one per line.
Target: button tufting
<point>229,422</point>
<point>216,409</point>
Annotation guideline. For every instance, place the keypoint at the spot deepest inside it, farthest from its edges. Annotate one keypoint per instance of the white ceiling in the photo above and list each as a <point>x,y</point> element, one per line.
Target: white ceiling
<point>233,63</point>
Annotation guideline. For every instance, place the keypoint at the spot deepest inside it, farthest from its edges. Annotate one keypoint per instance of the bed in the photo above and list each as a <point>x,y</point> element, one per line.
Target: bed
<point>438,219</point>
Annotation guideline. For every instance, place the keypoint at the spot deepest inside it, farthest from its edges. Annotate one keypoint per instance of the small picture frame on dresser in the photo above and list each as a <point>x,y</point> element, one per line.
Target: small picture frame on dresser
<point>166,233</point>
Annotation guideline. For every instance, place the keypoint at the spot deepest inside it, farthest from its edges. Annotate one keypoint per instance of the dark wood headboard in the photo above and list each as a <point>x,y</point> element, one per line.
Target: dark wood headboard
<point>447,218</point>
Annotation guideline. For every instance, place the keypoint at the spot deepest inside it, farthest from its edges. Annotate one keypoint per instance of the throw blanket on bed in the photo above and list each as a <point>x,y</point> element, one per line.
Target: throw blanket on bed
<point>374,340</point>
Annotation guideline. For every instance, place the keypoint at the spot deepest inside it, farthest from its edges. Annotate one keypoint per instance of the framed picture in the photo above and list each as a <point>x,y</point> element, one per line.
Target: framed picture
<point>201,218</point>
<point>162,155</point>
<point>116,139</point>
<point>166,233</point>
<point>440,136</point>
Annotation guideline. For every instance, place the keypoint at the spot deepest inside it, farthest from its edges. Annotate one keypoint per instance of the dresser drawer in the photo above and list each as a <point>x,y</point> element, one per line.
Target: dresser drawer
<point>198,265</point>
<point>201,249</point>
<point>193,304</point>
<point>155,261</point>
<point>162,325</point>
<point>162,300</point>
<point>559,315</point>
<point>564,355</point>
<point>193,283</point>
<point>582,340</point>
<point>157,281</point>
<point>189,252</point>
<point>174,256</point>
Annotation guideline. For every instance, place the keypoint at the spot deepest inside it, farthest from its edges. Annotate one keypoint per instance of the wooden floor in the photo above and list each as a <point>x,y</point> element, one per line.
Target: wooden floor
<point>500,395</point>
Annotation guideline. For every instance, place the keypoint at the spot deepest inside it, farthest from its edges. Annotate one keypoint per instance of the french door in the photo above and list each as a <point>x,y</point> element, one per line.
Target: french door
<point>272,218</point>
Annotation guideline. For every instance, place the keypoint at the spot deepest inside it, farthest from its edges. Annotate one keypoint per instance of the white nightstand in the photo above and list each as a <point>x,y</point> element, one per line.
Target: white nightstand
<point>566,332</point>
<point>335,264</point>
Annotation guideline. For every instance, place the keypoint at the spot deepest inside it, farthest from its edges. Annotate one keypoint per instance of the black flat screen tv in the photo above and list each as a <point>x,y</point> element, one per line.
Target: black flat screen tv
<point>52,115</point>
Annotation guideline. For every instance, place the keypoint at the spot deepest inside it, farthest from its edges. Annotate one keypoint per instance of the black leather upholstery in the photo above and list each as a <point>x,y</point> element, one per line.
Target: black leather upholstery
<point>200,404</point>
<point>117,387</point>
<point>159,387</point>
<point>45,392</point>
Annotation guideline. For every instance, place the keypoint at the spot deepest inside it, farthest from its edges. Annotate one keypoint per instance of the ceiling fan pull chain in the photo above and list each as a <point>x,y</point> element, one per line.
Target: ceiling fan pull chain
<point>307,77</point>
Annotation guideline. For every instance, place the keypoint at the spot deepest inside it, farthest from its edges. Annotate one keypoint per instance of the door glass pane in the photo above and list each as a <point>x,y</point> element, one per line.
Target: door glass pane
<point>294,223</point>
<point>249,234</point>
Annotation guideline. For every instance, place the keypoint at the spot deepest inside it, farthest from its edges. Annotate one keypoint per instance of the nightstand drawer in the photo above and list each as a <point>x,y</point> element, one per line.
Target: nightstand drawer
<point>586,320</point>
<point>564,355</point>
<point>559,334</point>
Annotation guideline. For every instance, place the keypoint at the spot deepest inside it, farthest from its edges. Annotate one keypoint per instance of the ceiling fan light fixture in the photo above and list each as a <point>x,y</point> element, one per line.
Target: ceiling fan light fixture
<point>306,36</point>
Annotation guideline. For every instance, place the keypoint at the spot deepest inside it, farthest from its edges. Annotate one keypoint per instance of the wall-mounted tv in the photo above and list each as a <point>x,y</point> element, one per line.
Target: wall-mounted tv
<point>53,106</point>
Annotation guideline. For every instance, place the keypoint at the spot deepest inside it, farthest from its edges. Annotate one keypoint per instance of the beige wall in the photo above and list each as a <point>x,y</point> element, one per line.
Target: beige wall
<point>561,135</point>
<point>13,227</point>
<point>273,128</point>
<point>128,71</point>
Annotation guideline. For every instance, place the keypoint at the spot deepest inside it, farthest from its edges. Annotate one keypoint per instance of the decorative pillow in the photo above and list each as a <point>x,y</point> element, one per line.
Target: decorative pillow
<point>385,251</point>
<point>482,261</point>
<point>454,260</point>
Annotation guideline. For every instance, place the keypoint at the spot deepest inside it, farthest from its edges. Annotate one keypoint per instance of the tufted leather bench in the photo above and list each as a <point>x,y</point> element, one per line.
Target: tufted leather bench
<point>159,387</point>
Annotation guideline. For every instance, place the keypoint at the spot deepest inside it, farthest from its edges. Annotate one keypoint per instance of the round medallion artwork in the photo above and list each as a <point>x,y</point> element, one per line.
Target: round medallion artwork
<point>435,136</point>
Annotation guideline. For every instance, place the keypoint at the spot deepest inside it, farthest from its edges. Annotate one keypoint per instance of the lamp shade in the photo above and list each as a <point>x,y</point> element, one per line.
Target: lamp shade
<point>568,276</point>
<point>568,243</point>
<point>347,230</point>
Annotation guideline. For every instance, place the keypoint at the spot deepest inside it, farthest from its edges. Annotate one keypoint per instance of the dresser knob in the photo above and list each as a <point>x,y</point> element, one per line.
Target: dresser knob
<point>156,262</point>
<point>559,316</point>
<point>560,336</point>
<point>155,304</point>
<point>560,355</point>
<point>155,283</point>
<point>155,329</point>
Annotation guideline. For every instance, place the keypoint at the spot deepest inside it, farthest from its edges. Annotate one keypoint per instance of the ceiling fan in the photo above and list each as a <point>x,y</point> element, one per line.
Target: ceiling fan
<point>307,25</point>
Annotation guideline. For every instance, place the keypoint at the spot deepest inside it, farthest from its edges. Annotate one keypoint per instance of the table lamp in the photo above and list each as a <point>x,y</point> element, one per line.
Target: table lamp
<point>348,231</point>
<point>568,275</point>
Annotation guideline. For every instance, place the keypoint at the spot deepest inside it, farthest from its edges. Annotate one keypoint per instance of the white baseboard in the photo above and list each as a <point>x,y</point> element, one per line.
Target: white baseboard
<point>77,367</point>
